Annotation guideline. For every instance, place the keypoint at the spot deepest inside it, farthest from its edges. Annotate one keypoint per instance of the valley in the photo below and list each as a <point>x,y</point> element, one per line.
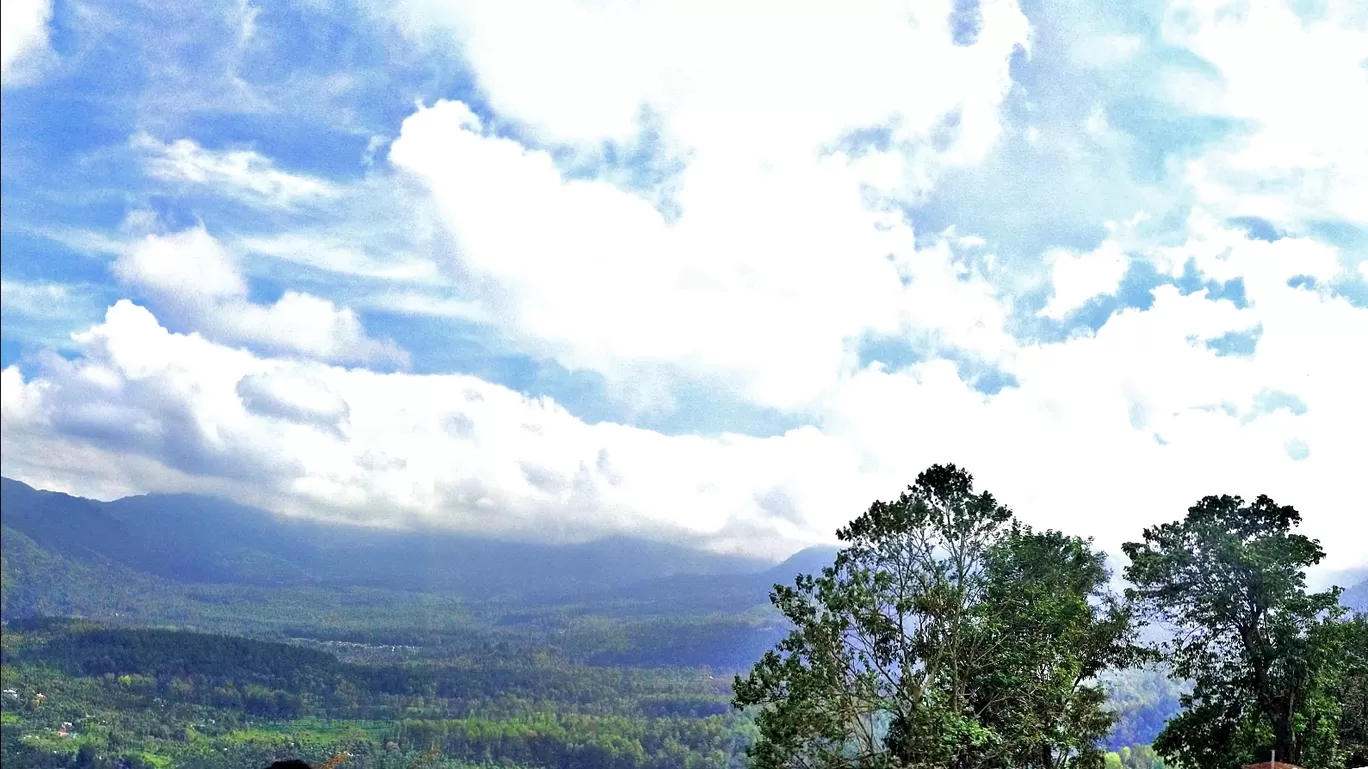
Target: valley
<point>183,631</point>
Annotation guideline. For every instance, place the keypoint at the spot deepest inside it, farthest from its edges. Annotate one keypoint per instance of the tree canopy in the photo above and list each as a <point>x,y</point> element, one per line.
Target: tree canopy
<point>946,634</point>
<point>1268,658</point>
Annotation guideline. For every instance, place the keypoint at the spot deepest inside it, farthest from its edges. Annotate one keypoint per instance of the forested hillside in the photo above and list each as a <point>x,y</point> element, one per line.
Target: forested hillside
<point>200,539</point>
<point>261,653</point>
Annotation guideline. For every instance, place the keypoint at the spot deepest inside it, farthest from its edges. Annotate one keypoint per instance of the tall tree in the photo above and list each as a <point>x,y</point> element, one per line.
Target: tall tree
<point>1352,694</point>
<point>1230,579</point>
<point>943,636</point>
<point>1057,628</point>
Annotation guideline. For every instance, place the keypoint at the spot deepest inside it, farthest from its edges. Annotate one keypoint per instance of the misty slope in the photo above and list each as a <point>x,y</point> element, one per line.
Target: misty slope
<point>714,592</point>
<point>198,539</point>
<point>1356,597</point>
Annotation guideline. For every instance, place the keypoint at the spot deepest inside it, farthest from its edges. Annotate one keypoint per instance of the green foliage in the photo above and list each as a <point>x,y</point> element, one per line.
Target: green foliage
<point>1057,629</point>
<point>944,635</point>
<point>1143,699</point>
<point>1134,757</point>
<point>1351,694</point>
<point>1264,655</point>
<point>155,697</point>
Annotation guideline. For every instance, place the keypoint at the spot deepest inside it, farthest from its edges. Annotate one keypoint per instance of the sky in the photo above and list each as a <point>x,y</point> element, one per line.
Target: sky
<point>704,272</point>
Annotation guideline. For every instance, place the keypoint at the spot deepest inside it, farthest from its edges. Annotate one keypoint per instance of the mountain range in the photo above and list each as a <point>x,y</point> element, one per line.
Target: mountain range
<point>196,539</point>
<point>191,539</point>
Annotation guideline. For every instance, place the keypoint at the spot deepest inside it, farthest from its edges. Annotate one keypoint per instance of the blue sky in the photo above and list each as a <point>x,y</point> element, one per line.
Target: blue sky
<point>649,268</point>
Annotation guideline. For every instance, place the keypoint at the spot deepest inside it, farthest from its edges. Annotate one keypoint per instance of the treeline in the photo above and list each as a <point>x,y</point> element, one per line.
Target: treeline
<point>288,681</point>
<point>145,696</point>
<point>197,699</point>
<point>583,742</point>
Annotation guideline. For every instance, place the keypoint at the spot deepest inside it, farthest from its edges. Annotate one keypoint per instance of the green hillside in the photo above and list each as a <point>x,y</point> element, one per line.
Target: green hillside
<point>179,664</point>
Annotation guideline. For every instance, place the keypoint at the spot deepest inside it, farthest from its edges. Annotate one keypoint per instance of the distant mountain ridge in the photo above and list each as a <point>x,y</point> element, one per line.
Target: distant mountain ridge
<point>196,539</point>
<point>188,538</point>
<point>706,593</point>
<point>1356,597</point>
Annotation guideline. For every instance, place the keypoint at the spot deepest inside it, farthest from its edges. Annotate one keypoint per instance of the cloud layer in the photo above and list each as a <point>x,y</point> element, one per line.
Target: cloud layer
<point>630,269</point>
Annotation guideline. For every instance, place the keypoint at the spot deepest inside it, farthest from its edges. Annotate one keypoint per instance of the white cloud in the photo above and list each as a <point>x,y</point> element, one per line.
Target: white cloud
<point>87,242</point>
<point>782,255</point>
<point>344,257</point>
<point>303,437</point>
<point>1100,436</point>
<point>764,83</point>
<point>45,313</point>
<point>243,174</point>
<point>766,280</point>
<point>189,268</point>
<point>783,248</point>
<point>1305,158</point>
<point>32,298</point>
<point>200,283</point>
<point>23,36</point>
<point>1080,277</point>
<point>422,303</point>
<point>293,397</point>
<point>1128,427</point>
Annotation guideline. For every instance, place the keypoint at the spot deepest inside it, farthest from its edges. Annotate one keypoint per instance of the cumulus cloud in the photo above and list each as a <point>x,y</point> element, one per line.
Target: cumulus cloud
<point>23,36</point>
<point>766,281</point>
<point>793,135</point>
<point>443,449</point>
<point>293,397</point>
<point>741,210</point>
<point>1104,433</point>
<point>200,283</point>
<point>771,82</point>
<point>187,267</point>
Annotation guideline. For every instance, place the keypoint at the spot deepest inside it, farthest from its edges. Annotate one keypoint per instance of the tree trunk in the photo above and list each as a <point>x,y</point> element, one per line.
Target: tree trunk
<point>1285,740</point>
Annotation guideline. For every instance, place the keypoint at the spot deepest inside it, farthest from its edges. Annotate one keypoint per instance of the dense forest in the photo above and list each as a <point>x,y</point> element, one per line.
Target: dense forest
<point>191,699</point>
<point>154,697</point>
<point>109,662</point>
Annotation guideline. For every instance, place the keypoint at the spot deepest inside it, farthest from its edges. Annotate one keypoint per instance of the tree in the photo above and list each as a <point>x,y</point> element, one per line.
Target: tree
<point>1352,693</point>
<point>944,635</point>
<point>1262,652</point>
<point>1057,628</point>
